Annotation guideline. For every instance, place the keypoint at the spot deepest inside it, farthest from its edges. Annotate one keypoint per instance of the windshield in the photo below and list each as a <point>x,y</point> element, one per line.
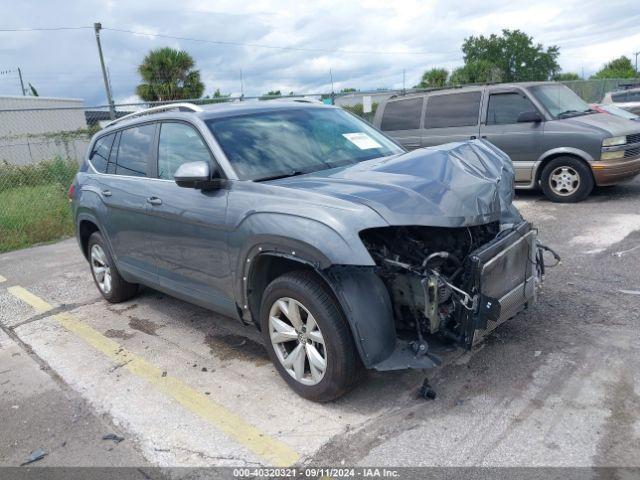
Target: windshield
<point>288,142</point>
<point>559,100</point>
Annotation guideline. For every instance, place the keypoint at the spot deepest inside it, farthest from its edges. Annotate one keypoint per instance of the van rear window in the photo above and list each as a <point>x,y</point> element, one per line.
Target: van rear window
<point>452,110</point>
<point>402,115</point>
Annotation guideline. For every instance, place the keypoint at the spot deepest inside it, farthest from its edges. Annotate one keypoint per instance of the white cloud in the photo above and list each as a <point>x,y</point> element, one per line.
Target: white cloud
<point>65,63</point>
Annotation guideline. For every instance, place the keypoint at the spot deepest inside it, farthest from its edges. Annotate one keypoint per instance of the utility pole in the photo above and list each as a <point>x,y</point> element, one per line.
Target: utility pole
<point>636,54</point>
<point>24,93</point>
<point>333,94</point>
<point>112,109</point>
<point>241,86</point>
<point>403,89</point>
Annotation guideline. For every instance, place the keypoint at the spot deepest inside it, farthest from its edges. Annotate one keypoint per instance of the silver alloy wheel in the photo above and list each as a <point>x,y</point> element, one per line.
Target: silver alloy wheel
<point>297,341</point>
<point>100,268</point>
<point>564,181</point>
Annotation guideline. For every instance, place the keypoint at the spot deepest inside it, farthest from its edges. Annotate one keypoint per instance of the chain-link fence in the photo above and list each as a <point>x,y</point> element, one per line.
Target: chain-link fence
<point>42,142</point>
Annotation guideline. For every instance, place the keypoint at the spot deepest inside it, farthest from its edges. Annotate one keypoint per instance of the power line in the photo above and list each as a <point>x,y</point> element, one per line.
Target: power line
<point>274,47</point>
<point>40,29</point>
<point>223,42</point>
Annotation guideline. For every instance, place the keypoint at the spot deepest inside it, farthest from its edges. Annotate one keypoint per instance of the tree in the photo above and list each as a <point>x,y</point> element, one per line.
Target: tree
<point>348,90</point>
<point>169,74</point>
<point>434,78</point>
<point>513,54</point>
<point>565,77</point>
<point>271,94</point>
<point>618,68</point>
<point>217,97</point>
<point>478,71</point>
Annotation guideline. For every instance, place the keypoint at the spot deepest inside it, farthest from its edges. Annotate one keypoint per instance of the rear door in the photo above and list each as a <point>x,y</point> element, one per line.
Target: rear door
<point>401,120</point>
<point>521,141</point>
<point>451,117</point>
<point>188,232</point>
<point>124,190</point>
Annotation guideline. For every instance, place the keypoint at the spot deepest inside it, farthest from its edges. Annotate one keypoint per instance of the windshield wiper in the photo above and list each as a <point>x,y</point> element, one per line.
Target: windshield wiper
<point>292,173</point>
<point>572,113</point>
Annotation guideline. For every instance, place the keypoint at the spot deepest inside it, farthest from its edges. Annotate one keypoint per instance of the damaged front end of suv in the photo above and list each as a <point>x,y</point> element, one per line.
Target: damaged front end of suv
<point>454,284</point>
<point>450,273</point>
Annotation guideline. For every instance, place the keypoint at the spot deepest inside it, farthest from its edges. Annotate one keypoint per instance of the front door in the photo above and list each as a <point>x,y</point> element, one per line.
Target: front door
<point>188,236</point>
<point>521,141</point>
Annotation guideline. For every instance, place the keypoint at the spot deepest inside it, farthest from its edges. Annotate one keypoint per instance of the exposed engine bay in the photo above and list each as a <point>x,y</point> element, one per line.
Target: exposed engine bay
<point>433,276</point>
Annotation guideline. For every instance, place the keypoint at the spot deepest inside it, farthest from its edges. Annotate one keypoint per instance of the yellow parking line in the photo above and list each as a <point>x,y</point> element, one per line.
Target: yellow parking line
<point>29,298</point>
<point>270,449</point>
<point>2,279</point>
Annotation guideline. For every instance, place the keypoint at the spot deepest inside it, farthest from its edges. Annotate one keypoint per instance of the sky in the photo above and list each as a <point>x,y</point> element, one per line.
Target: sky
<point>365,44</point>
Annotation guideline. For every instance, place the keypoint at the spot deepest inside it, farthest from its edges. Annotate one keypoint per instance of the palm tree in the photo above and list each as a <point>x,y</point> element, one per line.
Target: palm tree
<point>169,74</point>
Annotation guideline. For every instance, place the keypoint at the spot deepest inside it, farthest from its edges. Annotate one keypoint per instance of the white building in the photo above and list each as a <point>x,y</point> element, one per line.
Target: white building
<point>33,129</point>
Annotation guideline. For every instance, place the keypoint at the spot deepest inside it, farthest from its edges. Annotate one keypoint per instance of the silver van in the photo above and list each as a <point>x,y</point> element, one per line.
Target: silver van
<point>555,140</point>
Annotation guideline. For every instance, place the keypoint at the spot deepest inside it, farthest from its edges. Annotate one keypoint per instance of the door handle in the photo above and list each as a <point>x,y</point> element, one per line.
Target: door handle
<point>154,201</point>
<point>106,193</point>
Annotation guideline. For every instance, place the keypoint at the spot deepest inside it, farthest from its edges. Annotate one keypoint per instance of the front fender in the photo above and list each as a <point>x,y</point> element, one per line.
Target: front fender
<point>366,304</point>
<point>319,242</point>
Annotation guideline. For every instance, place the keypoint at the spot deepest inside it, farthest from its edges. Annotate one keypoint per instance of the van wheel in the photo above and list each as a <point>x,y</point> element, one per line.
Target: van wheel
<point>566,180</point>
<point>105,274</point>
<point>308,338</point>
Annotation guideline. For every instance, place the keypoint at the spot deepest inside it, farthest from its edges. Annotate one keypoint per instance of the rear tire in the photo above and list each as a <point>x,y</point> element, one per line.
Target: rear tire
<point>566,180</point>
<point>110,284</point>
<point>318,332</point>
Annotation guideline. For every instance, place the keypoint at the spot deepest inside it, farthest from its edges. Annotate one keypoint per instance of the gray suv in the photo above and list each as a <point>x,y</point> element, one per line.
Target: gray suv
<point>345,250</point>
<point>555,140</point>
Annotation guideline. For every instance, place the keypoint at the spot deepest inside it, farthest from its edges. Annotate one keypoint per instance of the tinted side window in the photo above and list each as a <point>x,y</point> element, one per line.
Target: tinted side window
<point>453,110</point>
<point>133,151</point>
<point>504,108</point>
<point>619,97</point>
<point>179,143</point>
<point>100,153</point>
<point>402,115</point>
<point>633,96</point>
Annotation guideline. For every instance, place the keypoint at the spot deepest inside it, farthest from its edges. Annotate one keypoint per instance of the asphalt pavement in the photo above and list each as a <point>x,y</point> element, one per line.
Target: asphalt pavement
<point>559,385</point>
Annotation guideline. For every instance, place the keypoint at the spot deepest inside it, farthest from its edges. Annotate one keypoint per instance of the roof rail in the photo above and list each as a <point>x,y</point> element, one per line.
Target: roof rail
<point>293,99</point>
<point>183,107</point>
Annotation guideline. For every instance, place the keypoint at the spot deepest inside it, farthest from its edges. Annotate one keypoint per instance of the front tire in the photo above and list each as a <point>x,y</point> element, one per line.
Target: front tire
<point>111,285</point>
<point>308,338</point>
<point>566,180</point>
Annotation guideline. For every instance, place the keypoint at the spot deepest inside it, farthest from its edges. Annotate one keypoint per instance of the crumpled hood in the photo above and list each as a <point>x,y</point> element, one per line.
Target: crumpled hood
<point>452,185</point>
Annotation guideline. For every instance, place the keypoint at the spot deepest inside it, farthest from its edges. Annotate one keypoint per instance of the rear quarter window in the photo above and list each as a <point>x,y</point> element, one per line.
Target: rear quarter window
<point>452,110</point>
<point>402,115</point>
<point>99,155</point>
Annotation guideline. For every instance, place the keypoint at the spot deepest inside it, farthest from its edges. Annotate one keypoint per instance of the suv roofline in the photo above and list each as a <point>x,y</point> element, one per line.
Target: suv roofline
<point>182,107</point>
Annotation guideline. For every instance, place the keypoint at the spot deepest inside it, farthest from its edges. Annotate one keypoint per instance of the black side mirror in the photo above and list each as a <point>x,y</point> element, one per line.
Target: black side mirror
<point>529,117</point>
<point>194,175</point>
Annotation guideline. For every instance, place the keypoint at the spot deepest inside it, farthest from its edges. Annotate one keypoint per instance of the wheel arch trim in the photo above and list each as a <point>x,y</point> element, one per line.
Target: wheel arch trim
<point>555,153</point>
<point>359,291</point>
